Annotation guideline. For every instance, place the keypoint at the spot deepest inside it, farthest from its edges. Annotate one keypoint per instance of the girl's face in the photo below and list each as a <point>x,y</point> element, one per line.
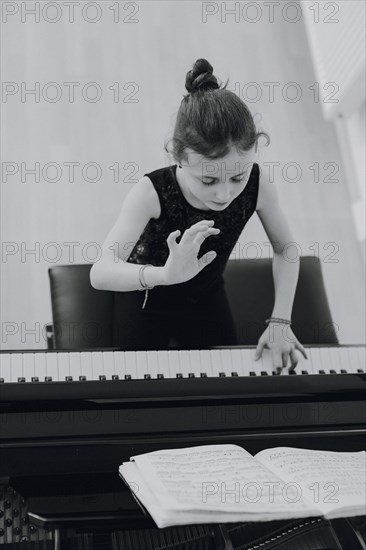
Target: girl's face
<point>214,184</point>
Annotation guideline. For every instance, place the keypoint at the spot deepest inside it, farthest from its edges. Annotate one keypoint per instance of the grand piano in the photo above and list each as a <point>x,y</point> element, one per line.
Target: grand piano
<point>70,418</point>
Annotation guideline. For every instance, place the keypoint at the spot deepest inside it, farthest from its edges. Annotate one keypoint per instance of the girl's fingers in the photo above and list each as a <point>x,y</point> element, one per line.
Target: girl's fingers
<point>171,238</point>
<point>206,259</point>
<point>202,235</point>
<point>284,360</point>
<point>294,359</point>
<point>192,231</point>
<point>301,348</point>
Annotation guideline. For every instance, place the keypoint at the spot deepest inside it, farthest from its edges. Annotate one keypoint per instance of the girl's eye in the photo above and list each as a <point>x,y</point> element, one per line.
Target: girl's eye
<point>212,182</point>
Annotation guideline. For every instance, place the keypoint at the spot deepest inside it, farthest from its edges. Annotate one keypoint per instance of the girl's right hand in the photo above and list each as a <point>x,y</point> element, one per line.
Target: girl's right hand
<point>182,263</point>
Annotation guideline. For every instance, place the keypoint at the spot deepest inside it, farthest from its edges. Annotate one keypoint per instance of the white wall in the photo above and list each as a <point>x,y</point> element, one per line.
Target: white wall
<point>155,52</point>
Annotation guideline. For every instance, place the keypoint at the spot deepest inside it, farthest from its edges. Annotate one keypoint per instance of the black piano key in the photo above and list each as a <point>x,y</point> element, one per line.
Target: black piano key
<point>35,379</point>
<point>191,375</point>
<point>115,377</point>
<point>234,373</point>
<point>264,373</point>
<point>304,372</point>
<point>332,371</point>
<point>147,376</point>
<point>21,379</point>
<point>127,377</point>
<point>82,378</point>
<point>292,371</point>
<point>344,371</point>
<point>321,371</point>
<point>102,377</point>
<point>203,375</point>
<point>1,380</point>
<point>160,376</point>
<point>222,374</point>
<point>360,371</point>
<point>68,378</point>
<point>179,375</point>
<point>252,373</point>
<point>48,379</point>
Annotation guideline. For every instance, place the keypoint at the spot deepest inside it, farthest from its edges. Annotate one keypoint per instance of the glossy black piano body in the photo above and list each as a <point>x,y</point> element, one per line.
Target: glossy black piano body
<point>65,440</point>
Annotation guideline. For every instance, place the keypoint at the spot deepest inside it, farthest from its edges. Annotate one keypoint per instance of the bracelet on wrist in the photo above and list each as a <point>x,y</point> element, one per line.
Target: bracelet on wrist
<point>278,320</point>
<point>143,283</point>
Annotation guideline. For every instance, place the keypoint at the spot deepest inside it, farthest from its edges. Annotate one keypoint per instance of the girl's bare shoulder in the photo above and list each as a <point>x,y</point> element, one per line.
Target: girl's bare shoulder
<point>144,193</point>
<point>267,195</point>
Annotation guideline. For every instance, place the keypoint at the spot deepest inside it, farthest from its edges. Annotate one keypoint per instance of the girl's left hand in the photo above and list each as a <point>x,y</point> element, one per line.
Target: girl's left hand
<point>282,342</point>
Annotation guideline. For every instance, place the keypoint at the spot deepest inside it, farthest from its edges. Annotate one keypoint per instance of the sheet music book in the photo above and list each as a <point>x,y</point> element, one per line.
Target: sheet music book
<point>225,483</point>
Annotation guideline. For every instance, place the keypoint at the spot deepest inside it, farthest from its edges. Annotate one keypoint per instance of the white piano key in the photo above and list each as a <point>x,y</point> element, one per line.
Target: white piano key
<point>28,366</point>
<point>226,363</point>
<point>361,351</point>
<point>16,366</point>
<point>236,362</point>
<point>333,353</point>
<point>108,364</point>
<point>267,362</point>
<point>40,366</point>
<point>120,365</point>
<point>75,365</point>
<point>302,363</point>
<point>154,368</point>
<point>246,358</point>
<point>255,366</point>
<point>185,363</point>
<point>86,365</point>
<point>163,362</point>
<point>5,367</point>
<point>63,366</point>
<point>315,363</point>
<point>195,360</point>
<point>141,365</point>
<point>51,366</point>
<point>332,361</point>
<point>216,366</point>
<point>344,359</point>
<point>353,359</point>
<point>326,360</point>
<point>173,363</point>
<point>97,365</point>
<point>130,365</point>
<point>205,362</point>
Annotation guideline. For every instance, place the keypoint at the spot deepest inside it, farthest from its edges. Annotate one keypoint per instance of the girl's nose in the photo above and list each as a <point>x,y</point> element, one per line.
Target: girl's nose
<point>223,195</point>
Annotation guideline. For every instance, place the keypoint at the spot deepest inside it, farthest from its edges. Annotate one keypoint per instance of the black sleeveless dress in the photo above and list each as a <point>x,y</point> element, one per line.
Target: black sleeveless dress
<point>195,313</point>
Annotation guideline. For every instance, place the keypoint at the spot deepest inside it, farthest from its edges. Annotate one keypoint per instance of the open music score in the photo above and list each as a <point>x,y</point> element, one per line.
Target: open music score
<point>79,366</point>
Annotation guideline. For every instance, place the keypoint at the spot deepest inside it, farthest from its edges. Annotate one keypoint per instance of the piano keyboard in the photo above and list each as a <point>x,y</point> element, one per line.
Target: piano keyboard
<point>74,366</point>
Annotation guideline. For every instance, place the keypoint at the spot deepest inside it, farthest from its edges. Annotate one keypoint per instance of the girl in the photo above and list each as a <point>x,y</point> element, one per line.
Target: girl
<point>179,224</point>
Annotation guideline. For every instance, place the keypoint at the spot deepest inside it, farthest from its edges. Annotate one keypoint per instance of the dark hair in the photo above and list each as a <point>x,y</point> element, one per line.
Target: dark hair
<point>211,119</point>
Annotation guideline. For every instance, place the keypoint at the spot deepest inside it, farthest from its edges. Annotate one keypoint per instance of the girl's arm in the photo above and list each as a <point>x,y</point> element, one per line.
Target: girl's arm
<point>279,338</point>
<point>285,271</point>
<point>111,271</point>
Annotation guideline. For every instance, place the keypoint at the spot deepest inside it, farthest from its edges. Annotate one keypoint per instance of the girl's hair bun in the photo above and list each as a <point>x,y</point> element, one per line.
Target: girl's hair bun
<point>201,77</point>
